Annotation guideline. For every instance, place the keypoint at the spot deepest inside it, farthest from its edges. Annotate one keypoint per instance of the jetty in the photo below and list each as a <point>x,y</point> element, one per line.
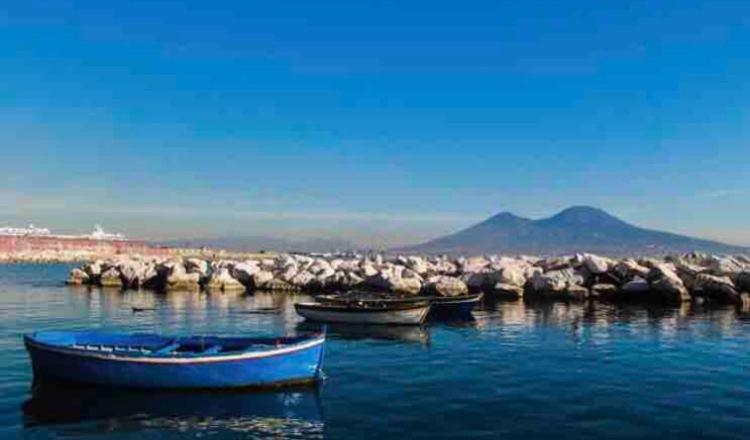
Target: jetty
<point>670,279</point>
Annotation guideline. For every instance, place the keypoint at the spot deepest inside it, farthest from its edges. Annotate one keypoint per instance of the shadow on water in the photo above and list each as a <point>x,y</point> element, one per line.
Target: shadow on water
<point>66,409</point>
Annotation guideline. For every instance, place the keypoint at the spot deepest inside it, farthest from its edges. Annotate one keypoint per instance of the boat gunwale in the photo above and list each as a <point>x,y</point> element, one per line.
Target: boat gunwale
<point>432,299</point>
<point>352,307</point>
<point>463,299</point>
<point>313,341</point>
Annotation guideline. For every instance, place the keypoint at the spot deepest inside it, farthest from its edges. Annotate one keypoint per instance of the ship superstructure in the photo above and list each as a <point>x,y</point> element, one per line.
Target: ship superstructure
<point>33,231</point>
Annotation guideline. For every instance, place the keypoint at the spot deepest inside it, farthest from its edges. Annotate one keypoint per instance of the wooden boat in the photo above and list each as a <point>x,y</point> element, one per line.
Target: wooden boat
<point>365,312</point>
<point>441,307</point>
<point>153,361</point>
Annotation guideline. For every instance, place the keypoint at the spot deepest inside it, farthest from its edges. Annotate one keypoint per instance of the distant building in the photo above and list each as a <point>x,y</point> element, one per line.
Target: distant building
<point>32,231</point>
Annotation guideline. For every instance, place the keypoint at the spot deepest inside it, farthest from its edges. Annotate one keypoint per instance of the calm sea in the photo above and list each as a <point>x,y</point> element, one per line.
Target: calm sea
<point>538,371</point>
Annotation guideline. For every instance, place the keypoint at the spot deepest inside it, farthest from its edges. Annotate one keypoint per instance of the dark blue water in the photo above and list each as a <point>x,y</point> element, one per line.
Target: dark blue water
<point>534,371</point>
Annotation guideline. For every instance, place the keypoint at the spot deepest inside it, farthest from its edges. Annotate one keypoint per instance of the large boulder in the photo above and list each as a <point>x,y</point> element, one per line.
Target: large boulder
<point>78,277</point>
<point>407,286</point>
<point>688,271</point>
<point>243,272</point>
<point>477,281</point>
<point>222,280</point>
<point>381,281</point>
<point>347,280</point>
<point>93,269</point>
<point>558,284</point>
<point>177,278</point>
<point>555,263</point>
<point>473,264</point>
<point>555,281</point>
<point>368,270</point>
<point>723,266</point>
<point>111,278</point>
<point>445,267</point>
<point>629,269</point>
<point>719,289</point>
<point>595,264</point>
<point>135,273</point>
<point>418,265</point>
<point>442,285</point>
<point>514,274</point>
<point>742,281</point>
<point>288,273</point>
<point>500,290</point>
<point>303,279</point>
<point>261,279</point>
<point>409,273</point>
<point>392,281</point>
<point>636,289</point>
<point>665,283</point>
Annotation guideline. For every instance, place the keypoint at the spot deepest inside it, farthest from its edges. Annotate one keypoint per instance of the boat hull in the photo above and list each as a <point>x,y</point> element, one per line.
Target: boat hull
<point>285,366</point>
<point>453,308</point>
<point>405,316</point>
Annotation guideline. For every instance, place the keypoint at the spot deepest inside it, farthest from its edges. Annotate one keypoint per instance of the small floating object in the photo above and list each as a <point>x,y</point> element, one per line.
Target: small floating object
<point>365,311</point>
<point>159,362</point>
<point>142,309</point>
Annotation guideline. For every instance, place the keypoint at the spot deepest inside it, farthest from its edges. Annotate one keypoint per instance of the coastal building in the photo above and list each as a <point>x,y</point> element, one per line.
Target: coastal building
<point>35,240</point>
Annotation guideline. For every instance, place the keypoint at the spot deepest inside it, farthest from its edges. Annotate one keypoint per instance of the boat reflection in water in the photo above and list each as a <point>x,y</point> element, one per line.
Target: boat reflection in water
<point>64,409</point>
<point>401,333</point>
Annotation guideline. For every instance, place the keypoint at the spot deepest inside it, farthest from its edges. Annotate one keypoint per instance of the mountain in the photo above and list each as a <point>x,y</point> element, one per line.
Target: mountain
<point>258,243</point>
<point>576,229</point>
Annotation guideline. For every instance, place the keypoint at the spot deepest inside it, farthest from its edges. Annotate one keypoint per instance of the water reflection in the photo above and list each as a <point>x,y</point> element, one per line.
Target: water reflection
<point>67,410</point>
<point>401,333</point>
<point>574,316</point>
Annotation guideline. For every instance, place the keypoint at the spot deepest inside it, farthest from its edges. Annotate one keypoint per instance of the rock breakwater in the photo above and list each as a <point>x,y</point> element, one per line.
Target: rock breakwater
<point>668,280</point>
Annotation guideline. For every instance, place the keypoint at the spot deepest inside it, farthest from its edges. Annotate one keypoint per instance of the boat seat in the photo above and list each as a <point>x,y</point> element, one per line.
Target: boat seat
<point>168,348</point>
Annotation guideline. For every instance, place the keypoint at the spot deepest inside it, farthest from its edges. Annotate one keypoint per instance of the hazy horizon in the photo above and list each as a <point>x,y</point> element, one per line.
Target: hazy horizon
<point>374,240</point>
<point>375,122</point>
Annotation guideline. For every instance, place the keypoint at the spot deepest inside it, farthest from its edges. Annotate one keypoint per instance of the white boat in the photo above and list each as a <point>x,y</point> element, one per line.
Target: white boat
<point>408,313</point>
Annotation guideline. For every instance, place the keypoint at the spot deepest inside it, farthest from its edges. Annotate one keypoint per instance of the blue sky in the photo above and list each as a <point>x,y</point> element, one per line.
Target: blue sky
<point>380,122</point>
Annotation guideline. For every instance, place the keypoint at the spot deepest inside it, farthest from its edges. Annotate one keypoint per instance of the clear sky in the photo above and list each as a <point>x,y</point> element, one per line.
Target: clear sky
<point>382,122</point>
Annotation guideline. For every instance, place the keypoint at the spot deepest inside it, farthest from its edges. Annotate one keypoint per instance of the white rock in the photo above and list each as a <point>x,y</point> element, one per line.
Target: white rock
<point>595,264</point>
<point>442,285</point>
<point>223,280</point>
<point>719,288</point>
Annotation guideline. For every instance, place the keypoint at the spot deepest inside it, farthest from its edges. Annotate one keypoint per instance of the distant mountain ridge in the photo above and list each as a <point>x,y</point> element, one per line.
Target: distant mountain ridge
<point>576,229</point>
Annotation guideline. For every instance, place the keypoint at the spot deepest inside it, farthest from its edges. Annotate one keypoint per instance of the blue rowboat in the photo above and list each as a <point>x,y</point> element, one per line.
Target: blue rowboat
<point>159,362</point>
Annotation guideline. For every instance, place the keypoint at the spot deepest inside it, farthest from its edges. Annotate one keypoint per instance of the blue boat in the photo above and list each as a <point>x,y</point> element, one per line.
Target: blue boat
<point>159,362</point>
<point>453,308</point>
